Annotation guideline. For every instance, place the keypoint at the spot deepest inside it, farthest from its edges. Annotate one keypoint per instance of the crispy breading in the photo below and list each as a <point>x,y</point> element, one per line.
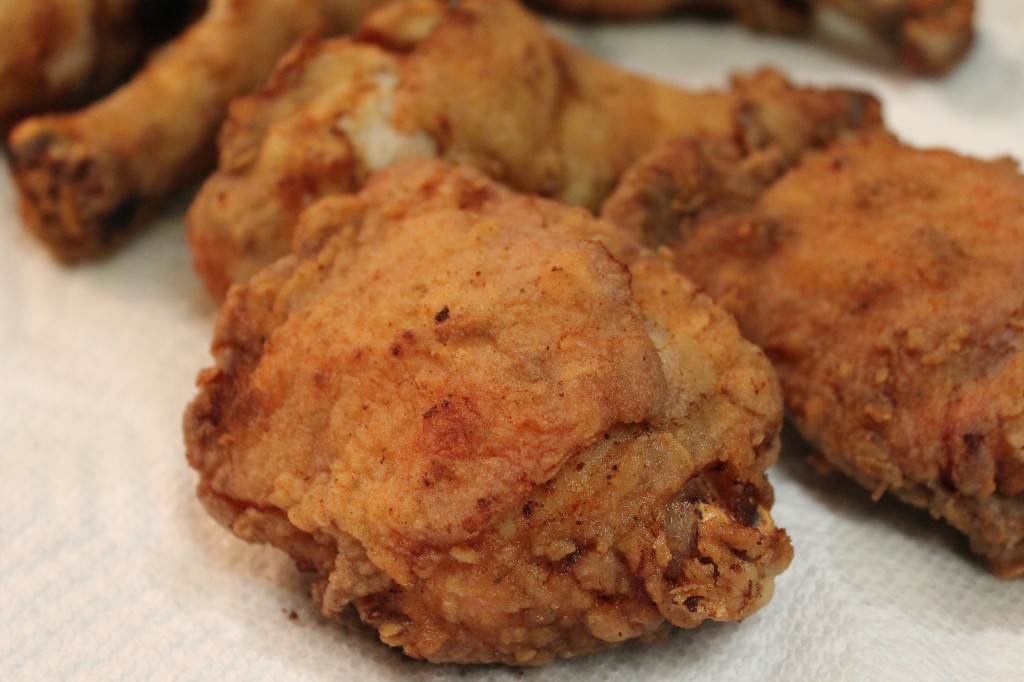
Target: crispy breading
<point>885,284</point>
<point>930,36</point>
<point>59,53</point>
<point>88,178</point>
<point>525,108</point>
<point>494,424</point>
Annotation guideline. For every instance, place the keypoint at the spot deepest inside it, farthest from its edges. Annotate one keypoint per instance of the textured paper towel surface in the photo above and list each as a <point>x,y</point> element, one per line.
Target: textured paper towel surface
<point>111,570</point>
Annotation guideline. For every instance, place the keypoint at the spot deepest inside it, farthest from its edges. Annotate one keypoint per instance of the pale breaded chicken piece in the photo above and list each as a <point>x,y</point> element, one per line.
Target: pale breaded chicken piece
<point>480,83</point>
<point>86,179</point>
<point>930,36</point>
<point>492,423</point>
<point>59,53</point>
<point>885,284</point>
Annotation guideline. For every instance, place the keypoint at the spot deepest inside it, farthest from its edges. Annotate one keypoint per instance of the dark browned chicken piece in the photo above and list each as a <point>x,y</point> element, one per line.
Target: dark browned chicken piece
<point>492,423</point>
<point>88,178</point>
<point>885,284</point>
<point>480,83</point>
<point>930,36</point>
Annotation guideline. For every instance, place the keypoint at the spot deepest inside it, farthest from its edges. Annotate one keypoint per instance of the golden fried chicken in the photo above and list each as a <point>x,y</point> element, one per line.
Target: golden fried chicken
<point>885,284</point>
<point>87,178</point>
<point>492,423</point>
<point>931,36</point>
<point>480,83</point>
<point>59,53</point>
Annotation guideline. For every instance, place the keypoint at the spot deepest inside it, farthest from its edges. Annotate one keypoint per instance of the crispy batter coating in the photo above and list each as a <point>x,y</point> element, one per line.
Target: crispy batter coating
<point>931,36</point>
<point>88,178</point>
<point>885,283</point>
<point>59,53</point>
<point>493,424</point>
<point>525,108</point>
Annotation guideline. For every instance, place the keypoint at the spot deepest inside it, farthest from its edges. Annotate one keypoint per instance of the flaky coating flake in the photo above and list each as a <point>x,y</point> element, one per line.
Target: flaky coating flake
<point>885,283</point>
<point>493,424</point>
<point>479,83</point>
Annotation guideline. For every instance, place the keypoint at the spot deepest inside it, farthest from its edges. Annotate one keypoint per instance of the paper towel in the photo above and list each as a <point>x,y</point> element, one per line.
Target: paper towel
<point>111,570</point>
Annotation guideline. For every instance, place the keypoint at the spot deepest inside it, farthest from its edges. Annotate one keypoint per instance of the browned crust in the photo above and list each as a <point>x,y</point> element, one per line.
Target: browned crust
<point>650,512</point>
<point>883,281</point>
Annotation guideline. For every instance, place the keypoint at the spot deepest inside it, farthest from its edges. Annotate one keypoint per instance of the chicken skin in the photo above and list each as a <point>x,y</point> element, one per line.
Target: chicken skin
<point>885,284</point>
<point>479,83</point>
<point>495,425</point>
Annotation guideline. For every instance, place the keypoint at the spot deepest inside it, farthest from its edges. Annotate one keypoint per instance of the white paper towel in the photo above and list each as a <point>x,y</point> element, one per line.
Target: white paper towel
<point>111,570</point>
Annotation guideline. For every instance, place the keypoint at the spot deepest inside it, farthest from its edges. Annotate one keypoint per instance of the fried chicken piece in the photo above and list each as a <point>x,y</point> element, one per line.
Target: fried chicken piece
<point>884,282</point>
<point>769,15</point>
<point>87,178</point>
<point>931,36</point>
<point>533,112</point>
<point>59,53</point>
<point>492,423</point>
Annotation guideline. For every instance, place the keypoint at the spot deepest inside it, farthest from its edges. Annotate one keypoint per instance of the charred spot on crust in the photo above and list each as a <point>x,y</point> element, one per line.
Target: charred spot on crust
<point>973,441</point>
<point>743,503</point>
<point>407,337</point>
<point>717,484</point>
<point>441,315</point>
<point>571,559</point>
